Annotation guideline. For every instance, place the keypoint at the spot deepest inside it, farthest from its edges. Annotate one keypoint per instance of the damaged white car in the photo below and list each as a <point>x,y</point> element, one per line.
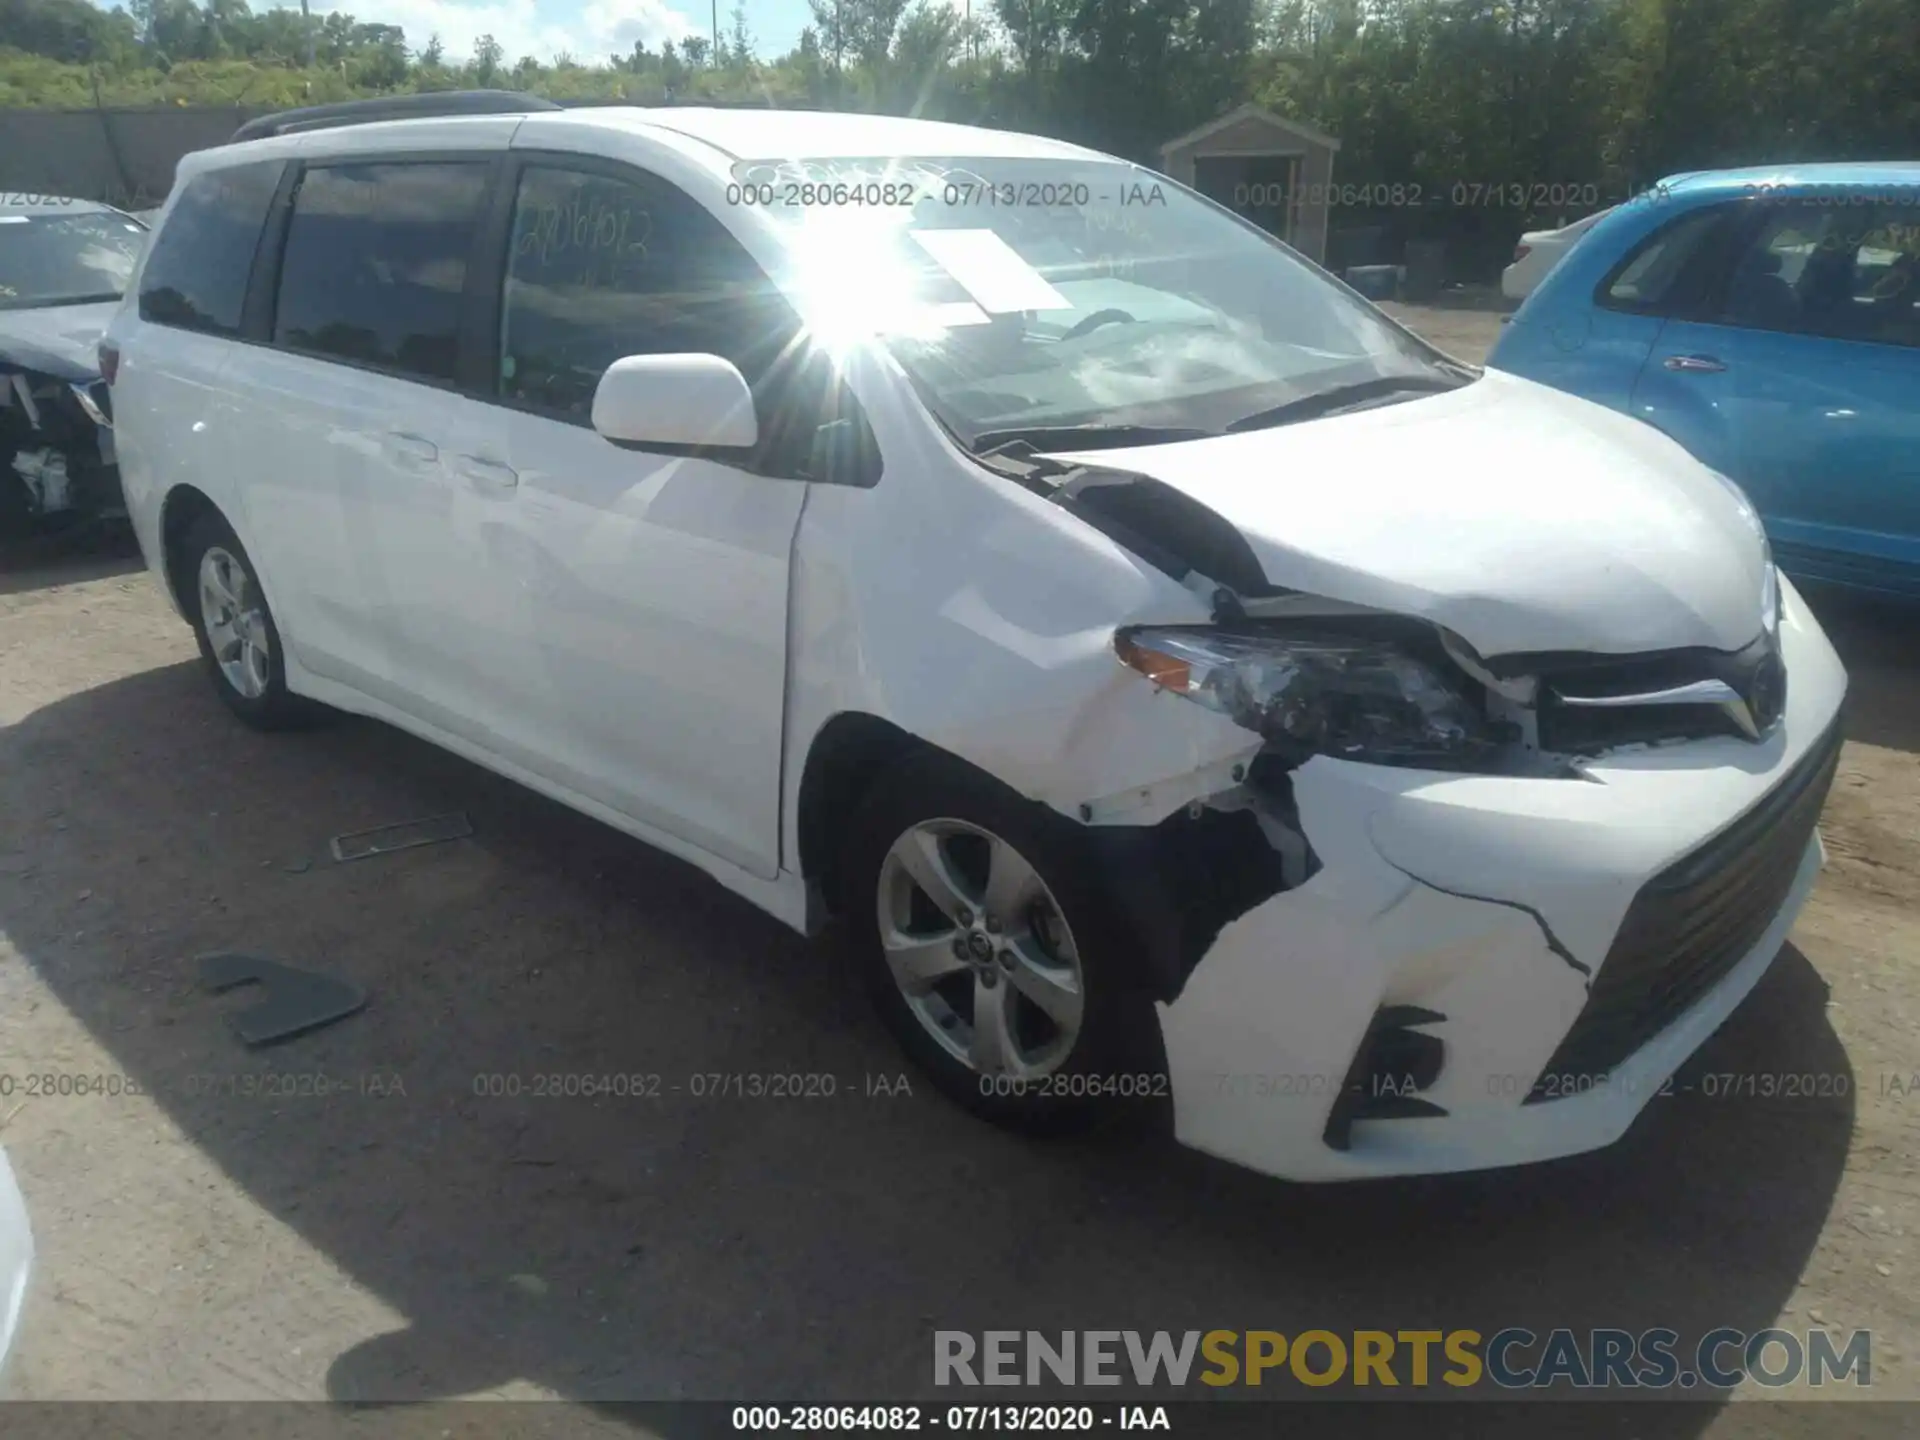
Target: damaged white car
<point>63,266</point>
<point>1181,680</point>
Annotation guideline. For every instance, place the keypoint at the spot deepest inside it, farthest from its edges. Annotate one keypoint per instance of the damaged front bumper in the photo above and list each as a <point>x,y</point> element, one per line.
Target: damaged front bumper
<point>1488,970</point>
<point>57,455</point>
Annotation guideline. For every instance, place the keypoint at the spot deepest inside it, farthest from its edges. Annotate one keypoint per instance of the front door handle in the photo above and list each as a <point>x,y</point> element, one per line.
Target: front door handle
<point>486,474</point>
<point>1696,364</point>
<point>414,451</point>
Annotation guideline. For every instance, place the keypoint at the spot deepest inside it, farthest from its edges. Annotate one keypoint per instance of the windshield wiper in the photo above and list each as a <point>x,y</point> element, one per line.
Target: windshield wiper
<point>1041,438</point>
<point>1344,397</point>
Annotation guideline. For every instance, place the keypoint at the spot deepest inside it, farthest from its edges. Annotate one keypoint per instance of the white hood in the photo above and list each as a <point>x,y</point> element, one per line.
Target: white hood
<point>61,340</point>
<point>1518,517</point>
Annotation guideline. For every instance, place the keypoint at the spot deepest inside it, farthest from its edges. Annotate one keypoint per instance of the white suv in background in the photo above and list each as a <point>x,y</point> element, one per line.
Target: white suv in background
<point>1180,679</point>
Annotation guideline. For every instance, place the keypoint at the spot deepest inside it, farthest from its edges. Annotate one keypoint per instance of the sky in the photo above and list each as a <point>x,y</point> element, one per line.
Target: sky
<point>589,30</point>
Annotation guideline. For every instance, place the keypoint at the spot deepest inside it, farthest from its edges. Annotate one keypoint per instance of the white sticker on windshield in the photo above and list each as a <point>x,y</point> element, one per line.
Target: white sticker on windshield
<point>989,270</point>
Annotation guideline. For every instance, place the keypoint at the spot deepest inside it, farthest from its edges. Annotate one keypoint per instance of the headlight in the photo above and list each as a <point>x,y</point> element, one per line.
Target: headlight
<point>95,405</point>
<point>1773,604</point>
<point>1354,698</point>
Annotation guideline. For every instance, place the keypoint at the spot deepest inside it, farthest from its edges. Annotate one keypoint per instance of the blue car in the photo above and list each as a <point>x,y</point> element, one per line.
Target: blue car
<point>1768,320</point>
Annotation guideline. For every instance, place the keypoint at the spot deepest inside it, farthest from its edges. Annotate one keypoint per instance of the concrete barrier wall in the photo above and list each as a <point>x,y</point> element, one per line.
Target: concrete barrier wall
<point>124,157</point>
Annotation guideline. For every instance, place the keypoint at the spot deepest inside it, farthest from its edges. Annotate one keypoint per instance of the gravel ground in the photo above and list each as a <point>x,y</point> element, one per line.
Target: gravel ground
<point>416,1237</point>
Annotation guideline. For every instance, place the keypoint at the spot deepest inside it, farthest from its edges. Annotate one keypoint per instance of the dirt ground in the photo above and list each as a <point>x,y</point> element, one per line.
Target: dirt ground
<point>1466,327</point>
<point>416,1236</point>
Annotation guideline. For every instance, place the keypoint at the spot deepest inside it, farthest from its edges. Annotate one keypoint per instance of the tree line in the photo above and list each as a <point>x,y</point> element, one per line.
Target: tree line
<point>1504,106</point>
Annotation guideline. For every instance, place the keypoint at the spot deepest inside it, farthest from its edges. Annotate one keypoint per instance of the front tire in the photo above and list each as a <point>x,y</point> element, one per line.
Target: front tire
<point>988,943</point>
<point>239,642</point>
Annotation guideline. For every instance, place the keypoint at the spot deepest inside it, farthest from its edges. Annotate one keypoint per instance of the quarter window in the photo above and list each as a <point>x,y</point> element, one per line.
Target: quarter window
<point>1659,276</point>
<point>376,264</point>
<point>196,277</point>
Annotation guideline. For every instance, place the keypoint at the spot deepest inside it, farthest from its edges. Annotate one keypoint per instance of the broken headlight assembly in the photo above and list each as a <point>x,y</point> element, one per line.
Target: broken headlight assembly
<point>1353,697</point>
<point>56,449</point>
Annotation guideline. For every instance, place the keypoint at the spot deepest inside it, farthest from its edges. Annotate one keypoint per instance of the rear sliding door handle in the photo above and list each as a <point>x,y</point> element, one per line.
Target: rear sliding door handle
<point>1695,364</point>
<point>486,474</point>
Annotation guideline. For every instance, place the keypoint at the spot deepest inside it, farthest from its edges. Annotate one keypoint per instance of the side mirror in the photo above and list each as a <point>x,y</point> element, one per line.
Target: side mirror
<point>691,402</point>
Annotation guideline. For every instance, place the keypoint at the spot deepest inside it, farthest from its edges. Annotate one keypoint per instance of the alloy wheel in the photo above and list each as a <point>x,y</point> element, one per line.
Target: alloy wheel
<point>980,949</point>
<point>235,615</point>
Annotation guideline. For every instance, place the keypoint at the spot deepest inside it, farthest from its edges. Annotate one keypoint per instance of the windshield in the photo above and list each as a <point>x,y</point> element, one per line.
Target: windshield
<point>1052,295</point>
<point>66,259</point>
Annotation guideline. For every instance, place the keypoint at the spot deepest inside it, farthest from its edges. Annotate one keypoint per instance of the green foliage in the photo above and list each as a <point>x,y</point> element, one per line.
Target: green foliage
<point>487,56</point>
<point>67,30</point>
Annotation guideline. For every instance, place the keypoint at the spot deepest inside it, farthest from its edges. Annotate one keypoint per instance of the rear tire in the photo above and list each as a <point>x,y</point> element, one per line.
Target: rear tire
<point>239,642</point>
<point>991,948</point>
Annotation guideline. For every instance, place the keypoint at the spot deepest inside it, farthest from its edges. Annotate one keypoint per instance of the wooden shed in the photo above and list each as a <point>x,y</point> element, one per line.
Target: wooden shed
<point>1276,172</point>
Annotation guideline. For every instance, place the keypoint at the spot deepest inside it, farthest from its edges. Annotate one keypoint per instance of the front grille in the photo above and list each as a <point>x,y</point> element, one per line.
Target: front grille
<point>1754,674</point>
<point>1691,924</point>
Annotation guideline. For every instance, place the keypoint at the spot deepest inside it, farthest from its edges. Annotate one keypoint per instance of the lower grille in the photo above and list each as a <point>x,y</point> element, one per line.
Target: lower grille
<point>1691,924</point>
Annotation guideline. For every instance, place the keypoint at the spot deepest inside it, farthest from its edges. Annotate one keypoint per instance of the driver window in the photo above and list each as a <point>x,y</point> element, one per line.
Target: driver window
<point>603,267</point>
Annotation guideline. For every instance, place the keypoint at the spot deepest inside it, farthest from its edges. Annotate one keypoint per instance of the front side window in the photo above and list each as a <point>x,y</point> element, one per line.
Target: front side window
<point>1845,272</point>
<point>375,264</point>
<point>602,267</point>
<point>1030,295</point>
<point>71,259</point>
<point>196,277</point>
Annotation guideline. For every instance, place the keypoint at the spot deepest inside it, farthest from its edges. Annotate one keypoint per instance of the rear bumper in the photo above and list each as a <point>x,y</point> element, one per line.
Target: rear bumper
<point>1483,911</point>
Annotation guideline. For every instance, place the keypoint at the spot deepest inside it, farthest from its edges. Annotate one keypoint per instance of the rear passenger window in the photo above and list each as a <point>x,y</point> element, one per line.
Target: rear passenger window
<point>602,268</point>
<point>376,263</point>
<point>196,277</point>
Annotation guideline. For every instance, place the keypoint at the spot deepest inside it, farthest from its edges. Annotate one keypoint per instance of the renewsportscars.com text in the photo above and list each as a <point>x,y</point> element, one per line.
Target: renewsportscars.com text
<point>1509,1359</point>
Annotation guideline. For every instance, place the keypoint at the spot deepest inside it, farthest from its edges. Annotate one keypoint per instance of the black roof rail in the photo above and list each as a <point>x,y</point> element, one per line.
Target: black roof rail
<point>391,107</point>
<point>674,102</point>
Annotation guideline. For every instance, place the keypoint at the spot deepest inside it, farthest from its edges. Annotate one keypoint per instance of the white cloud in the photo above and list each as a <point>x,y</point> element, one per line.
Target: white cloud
<point>621,22</point>
<point>590,34</point>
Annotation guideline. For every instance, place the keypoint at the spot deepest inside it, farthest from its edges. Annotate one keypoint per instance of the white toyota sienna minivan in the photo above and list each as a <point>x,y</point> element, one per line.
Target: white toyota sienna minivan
<point>1180,680</point>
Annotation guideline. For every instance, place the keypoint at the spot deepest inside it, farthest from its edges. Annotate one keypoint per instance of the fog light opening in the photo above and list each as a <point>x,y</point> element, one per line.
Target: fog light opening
<point>1393,1064</point>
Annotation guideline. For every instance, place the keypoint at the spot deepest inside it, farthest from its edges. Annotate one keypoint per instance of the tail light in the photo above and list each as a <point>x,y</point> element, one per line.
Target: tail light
<point>109,361</point>
<point>1520,252</point>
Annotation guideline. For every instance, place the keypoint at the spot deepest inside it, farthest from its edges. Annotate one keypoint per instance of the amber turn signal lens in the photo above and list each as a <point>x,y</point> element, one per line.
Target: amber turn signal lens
<point>1164,670</point>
